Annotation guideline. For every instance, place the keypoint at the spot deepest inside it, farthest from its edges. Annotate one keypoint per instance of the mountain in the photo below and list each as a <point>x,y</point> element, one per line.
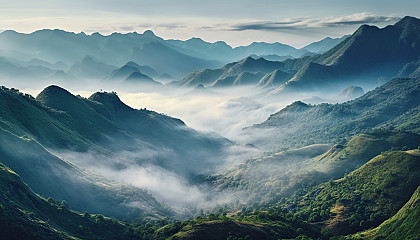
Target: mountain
<point>411,69</point>
<point>165,59</point>
<point>144,69</point>
<point>267,179</point>
<point>274,79</point>
<point>196,47</point>
<point>26,215</point>
<point>227,75</point>
<point>295,126</point>
<point>324,44</point>
<point>42,63</point>
<point>367,55</point>
<point>350,92</point>
<point>88,68</point>
<point>105,125</point>
<point>123,72</point>
<point>403,225</point>
<point>26,131</point>
<point>64,49</point>
<point>262,48</point>
<point>142,79</point>
<point>365,197</point>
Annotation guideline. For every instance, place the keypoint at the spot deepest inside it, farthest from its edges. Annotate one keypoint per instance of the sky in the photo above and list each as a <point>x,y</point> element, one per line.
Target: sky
<point>237,22</point>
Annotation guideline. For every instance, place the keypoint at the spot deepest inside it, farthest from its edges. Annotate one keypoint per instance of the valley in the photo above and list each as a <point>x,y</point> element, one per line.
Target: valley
<point>136,136</point>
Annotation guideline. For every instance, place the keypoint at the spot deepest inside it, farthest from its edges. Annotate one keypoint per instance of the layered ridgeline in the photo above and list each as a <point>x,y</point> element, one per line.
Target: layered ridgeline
<point>299,124</point>
<point>100,132</point>
<point>369,57</point>
<point>232,73</point>
<point>41,53</point>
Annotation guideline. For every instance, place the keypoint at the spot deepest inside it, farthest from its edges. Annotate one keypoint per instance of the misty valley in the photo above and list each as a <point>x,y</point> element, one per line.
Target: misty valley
<point>133,136</point>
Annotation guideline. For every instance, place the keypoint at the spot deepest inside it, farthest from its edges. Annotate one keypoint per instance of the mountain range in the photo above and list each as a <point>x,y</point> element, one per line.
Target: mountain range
<point>73,167</point>
<point>174,57</point>
<point>367,58</point>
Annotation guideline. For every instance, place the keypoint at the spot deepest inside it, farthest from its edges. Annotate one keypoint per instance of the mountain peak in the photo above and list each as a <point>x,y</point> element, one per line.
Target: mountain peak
<point>408,20</point>
<point>149,33</point>
<point>53,95</point>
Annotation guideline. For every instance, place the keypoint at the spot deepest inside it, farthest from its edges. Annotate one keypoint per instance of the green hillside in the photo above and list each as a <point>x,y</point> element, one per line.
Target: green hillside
<point>366,197</point>
<point>393,104</point>
<point>25,215</point>
<point>271,178</point>
<point>403,225</point>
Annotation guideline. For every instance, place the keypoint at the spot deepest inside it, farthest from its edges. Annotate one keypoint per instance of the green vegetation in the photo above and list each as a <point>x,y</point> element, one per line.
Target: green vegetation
<point>364,198</point>
<point>25,215</point>
<point>395,104</point>
<point>272,178</point>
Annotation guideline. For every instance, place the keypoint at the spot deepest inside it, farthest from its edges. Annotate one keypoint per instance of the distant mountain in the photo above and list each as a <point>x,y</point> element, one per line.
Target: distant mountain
<point>262,48</point>
<point>227,75</point>
<point>89,68</point>
<point>142,79</point>
<point>61,75</point>
<point>271,57</point>
<point>165,59</point>
<point>324,44</point>
<point>294,125</point>
<point>367,55</point>
<point>198,48</point>
<point>63,48</point>
<point>350,92</point>
<point>200,90</point>
<point>144,69</point>
<point>42,63</point>
<point>123,72</point>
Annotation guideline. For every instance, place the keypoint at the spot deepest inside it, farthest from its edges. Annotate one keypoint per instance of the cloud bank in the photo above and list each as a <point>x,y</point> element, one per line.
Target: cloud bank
<point>302,23</point>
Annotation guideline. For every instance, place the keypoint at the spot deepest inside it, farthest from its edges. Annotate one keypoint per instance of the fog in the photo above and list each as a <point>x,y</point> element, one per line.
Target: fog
<point>217,111</point>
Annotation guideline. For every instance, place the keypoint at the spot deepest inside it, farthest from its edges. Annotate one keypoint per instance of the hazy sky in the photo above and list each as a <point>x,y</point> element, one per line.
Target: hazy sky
<point>238,22</point>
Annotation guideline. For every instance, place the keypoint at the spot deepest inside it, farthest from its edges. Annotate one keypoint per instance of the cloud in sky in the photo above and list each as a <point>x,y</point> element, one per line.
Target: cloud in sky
<point>313,23</point>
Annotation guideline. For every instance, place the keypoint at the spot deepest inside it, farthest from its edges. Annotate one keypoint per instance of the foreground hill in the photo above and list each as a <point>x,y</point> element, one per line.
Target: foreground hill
<point>403,225</point>
<point>25,215</point>
<point>105,128</point>
<point>295,126</point>
<point>268,179</point>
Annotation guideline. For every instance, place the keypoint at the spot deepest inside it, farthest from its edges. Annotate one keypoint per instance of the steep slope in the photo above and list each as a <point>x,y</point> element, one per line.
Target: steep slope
<point>403,225</point>
<point>25,215</point>
<point>274,79</point>
<point>295,126</point>
<point>267,179</point>
<point>54,177</point>
<point>368,54</point>
<point>366,197</point>
<point>97,132</point>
